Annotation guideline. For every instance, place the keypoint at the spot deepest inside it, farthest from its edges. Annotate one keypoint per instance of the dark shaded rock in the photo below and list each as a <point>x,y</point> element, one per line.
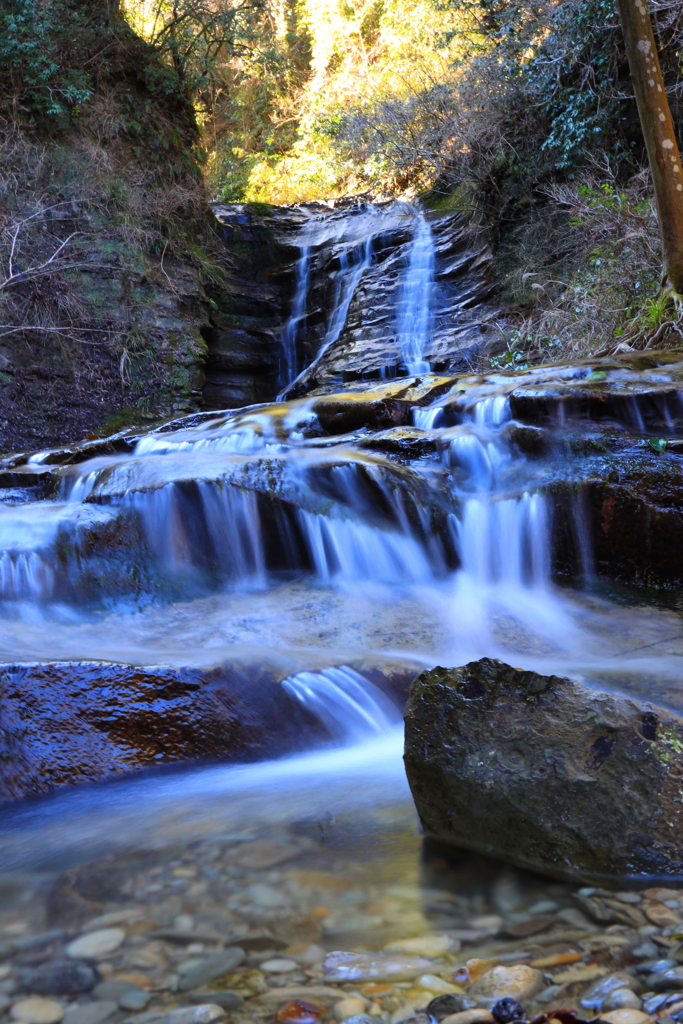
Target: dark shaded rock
<point>444,1006</point>
<point>506,1010</point>
<point>232,390</point>
<point>408,442</point>
<point>545,772</point>
<point>73,722</point>
<point>530,440</point>
<point>81,721</point>
<point>61,979</point>
<point>666,981</point>
<point>632,512</point>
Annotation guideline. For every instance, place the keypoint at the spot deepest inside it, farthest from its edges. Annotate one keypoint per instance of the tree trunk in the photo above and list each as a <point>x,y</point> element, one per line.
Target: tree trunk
<point>658,130</point>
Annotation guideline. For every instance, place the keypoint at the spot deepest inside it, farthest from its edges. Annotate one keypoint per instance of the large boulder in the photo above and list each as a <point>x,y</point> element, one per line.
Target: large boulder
<point>546,772</point>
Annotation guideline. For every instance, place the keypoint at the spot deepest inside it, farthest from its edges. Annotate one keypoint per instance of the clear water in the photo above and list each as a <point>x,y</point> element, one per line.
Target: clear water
<point>354,577</point>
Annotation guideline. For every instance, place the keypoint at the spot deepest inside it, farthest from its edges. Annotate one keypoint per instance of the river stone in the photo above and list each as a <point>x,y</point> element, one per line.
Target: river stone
<point>424,945</point>
<point>113,989</point>
<point>37,1010</point>
<point>96,944</point>
<point>519,982</point>
<point>624,1017</point>
<point>135,1000</point>
<point>226,998</point>
<point>449,1004</point>
<point>90,1013</point>
<point>666,981</point>
<point>620,999</point>
<point>205,1014</point>
<point>477,1015</point>
<point>596,994</point>
<point>352,1006</point>
<point>341,967</point>
<point>546,772</point>
<point>279,966</point>
<point>212,967</point>
<point>60,979</point>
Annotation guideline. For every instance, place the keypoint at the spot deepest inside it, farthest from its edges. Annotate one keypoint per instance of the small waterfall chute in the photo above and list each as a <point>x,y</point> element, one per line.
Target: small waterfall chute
<point>414,307</point>
<point>291,329</point>
<point>505,540</point>
<point>348,705</point>
<point>351,551</point>
<point>215,527</point>
<point>352,266</point>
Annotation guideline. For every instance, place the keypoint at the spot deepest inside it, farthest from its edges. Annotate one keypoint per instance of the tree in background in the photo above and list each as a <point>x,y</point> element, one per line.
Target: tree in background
<point>658,132</point>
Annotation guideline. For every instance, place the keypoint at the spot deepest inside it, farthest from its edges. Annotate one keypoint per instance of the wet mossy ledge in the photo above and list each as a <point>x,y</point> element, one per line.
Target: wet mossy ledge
<point>547,773</point>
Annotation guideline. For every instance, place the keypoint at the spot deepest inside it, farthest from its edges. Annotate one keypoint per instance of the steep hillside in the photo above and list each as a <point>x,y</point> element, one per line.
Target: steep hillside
<point>104,247</point>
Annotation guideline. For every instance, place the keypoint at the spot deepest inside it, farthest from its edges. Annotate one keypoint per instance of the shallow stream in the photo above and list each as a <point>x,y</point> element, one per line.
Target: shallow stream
<point>330,557</point>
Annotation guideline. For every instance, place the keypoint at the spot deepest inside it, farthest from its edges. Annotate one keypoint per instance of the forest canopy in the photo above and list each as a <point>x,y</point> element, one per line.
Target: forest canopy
<point>520,115</point>
<point>316,98</point>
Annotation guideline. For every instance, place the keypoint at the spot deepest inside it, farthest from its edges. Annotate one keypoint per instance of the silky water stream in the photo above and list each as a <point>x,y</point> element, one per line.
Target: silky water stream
<point>335,559</point>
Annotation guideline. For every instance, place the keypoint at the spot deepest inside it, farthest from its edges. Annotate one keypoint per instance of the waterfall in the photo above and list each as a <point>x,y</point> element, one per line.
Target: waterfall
<point>352,266</point>
<point>211,527</point>
<point>291,330</point>
<point>414,304</point>
<point>346,550</point>
<point>504,540</point>
<point>347,703</point>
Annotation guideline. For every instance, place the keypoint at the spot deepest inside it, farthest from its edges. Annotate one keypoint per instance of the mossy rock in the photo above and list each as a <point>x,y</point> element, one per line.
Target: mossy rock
<point>547,773</point>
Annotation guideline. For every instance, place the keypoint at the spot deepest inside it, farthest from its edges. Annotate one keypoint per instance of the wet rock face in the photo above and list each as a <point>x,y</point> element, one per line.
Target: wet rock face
<point>357,257</point>
<point>74,722</point>
<point>545,772</point>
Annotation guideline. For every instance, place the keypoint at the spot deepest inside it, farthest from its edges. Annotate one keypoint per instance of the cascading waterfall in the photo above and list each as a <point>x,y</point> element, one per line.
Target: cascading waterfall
<point>290,333</point>
<point>414,306</point>
<point>345,550</point>
<point>505,540</point>
<point>349,705</point>
<point>219,529</point>
<point>346,518</point>
<point>353,263</point>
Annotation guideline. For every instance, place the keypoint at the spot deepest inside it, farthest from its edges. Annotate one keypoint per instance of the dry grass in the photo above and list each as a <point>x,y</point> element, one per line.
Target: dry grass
<point>585,279</point>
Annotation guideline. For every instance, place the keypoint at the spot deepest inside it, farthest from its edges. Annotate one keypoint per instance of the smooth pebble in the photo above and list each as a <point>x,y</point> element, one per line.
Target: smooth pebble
<point>279,966</point>
<point>474,1016</point>
<point>424,945</point>
<point>518,982</point>
<point>134,1000</point>
<point>97,944</point>
<point>622,998</point>
<point>90,1013</point>
<point>350,1007</point>
<point>624,1017</point>
<point>341,966</point>
<point>37,1010</point>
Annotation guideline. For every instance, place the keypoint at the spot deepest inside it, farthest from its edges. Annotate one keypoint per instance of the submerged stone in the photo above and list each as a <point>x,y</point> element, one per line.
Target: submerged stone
<point>546,772</point>
<point>517,984</point>
<point>340,966</point>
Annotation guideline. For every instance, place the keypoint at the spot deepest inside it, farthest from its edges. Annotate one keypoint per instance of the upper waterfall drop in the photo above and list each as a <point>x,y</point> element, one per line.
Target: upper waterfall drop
<point>288,366</point>
<point>414,307</point>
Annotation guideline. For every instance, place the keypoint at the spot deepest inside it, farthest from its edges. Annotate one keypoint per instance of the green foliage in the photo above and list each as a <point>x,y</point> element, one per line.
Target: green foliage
<point>38,73</point>
<point>564,64</point>
<point>196,42</point>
